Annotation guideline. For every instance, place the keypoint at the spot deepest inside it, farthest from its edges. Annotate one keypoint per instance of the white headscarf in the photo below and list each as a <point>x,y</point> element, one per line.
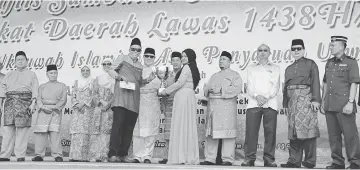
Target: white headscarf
<point>104,79</point>
<point>84,82</point>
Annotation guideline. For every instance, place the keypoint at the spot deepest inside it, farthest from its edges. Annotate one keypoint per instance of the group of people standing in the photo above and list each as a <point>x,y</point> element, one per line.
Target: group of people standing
<point>108,117</point>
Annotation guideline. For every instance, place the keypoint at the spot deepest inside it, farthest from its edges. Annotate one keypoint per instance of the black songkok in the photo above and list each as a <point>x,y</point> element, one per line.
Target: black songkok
<point>226,54</point>
<point>149,51</point>
<point>21,53</point>
<point>136,41</point>
<point>298,42</point>
<point>176,54</point>
<point>339,38</point>
<point>51,67</point>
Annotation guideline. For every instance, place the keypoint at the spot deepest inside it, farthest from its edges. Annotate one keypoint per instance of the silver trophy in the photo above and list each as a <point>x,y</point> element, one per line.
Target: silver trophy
<point>162,73</point>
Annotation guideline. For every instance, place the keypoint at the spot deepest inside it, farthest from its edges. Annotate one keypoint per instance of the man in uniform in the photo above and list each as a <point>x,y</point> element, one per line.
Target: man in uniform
<point>263,80</point>
<point>167,101</point>
<point>51,100</point>
<point>126,101</point>
<point>339,91</point>
<point>301,96</point>
<point>19,89</point>
<point>222,91</point>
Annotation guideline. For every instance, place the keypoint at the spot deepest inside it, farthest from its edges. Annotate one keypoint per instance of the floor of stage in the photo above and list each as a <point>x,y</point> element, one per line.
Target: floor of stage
<point>50,164</point>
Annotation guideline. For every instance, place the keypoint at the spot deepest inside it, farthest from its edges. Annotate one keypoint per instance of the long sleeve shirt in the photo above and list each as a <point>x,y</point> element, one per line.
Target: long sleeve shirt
<point>303,71</point>
<point>132,71</point>
<point>263,80</point>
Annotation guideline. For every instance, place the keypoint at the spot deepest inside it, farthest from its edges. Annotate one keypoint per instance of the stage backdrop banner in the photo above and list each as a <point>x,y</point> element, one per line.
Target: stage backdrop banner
<point>73,33</point>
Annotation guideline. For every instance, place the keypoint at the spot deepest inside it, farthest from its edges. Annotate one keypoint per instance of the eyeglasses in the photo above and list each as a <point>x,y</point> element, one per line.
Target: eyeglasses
<point>149,56</point>
<point>106,64</point>
<point>136,49</point>
<point>262,50</point>
<point>296,48</point>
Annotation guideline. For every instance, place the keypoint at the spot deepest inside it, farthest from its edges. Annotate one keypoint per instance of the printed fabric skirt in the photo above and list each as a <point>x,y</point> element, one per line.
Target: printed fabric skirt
<point>16,109</point>
<point>80,146</point>
<point>100,134</point>
<point>302,120</point>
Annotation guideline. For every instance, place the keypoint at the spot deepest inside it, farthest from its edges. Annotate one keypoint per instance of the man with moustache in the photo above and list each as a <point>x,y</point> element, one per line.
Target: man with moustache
<point>339,91</point>
<point>222,91</point>
<point>302,99</point>
<point>263,80</point>
<point>126,101</point>
<point>147,125</point>
<point>51,100</point>
<point>167,101</point>
<point>19,90</point>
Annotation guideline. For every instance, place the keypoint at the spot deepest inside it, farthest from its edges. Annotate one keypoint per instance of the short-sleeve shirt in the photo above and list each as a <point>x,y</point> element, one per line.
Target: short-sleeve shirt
<point>340,73</point>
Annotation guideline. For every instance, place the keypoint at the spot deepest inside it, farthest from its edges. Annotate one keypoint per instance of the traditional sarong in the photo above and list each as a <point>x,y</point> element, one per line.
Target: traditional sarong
<point>16,109</point>
<point>303,121</point>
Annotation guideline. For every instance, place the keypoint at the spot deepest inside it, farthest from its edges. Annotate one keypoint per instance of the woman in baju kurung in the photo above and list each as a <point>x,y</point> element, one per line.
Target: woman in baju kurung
<point>184,147</point>
<point>83,109</point>
<point>101,123</point>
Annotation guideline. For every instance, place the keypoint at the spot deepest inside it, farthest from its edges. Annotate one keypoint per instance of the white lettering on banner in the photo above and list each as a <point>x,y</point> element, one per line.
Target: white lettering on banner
<point>34,63</point>
<point>57,28</point>
<point>209,25</point>
<point>327,11</point>
<point>15,34</point>
<point>6,6</point>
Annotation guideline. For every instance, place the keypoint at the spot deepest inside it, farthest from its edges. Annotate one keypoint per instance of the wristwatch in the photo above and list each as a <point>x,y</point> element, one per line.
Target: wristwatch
<point>351,101</point>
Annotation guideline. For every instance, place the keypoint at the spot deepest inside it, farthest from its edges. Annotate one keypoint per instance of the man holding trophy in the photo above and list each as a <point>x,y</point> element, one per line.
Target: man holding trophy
<point>147,125</point>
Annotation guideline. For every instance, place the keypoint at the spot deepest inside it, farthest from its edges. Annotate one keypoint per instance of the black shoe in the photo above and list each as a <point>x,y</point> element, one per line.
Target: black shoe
<point>20,159</point>
<point>4,159</point>
<point>353,166</point>
<point>248,163</point>
<point>206,163</point>
<point>37,159</point>
<point>335,166</point>
<point>73,160</point>
<point>226,163</point>
<point>289,165</point>
<point>308,165</point>
<point>98,160</point>
<point>136,161</point>
<point>164,161</point>
<point>270,164</point>
<point>59,159</point>
<point>147,161</point>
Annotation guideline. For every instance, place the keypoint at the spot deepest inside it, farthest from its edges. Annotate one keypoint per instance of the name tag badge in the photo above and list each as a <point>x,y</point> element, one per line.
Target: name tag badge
<point>342,65</point>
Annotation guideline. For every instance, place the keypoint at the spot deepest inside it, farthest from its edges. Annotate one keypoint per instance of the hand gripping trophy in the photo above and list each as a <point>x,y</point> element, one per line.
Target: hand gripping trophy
<point>162,73</point>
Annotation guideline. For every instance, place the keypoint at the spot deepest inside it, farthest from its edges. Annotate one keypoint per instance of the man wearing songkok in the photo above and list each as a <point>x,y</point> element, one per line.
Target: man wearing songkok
<point>263,82</point>
<point>50,103</point>
<point>126,68</point>
<point>19,89</point>
<point>167,102</point>
<point>147,125</point>
<point>339,91</point>
<point>301,96</point>
<point>222,91</point>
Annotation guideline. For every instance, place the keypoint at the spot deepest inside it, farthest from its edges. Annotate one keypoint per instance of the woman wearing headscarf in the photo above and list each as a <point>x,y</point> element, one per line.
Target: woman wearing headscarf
<point>103,115</point>
<point>83,109</point>
<point>184,147</point>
